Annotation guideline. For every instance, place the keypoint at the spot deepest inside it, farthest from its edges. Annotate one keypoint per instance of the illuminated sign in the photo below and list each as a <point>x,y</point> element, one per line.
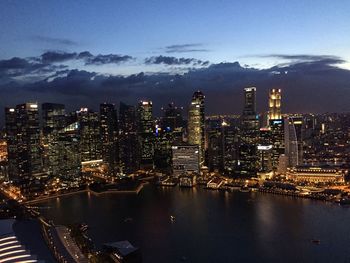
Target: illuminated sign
<point>277,122</point>
<point>250,89</point>
<point>264,147</point>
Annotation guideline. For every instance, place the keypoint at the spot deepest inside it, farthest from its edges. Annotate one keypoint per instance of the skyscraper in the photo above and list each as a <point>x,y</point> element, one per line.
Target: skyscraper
<point>53,116</point>
<point>24,152</point>
<point>249,101</point>
<point>90,138</point>
<point>294,140</point>
<point>109,136</point>
<point>248,137</point>
<point>196,123</point>
<point>144,118</point>
<point>275,104</point>
<point>172,119</point>
<point>69,154</point>
<point>128,143</point>
<point>277,140</point>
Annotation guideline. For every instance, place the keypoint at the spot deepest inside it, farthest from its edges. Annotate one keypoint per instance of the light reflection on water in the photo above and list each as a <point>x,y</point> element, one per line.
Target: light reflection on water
<point>212,226</point>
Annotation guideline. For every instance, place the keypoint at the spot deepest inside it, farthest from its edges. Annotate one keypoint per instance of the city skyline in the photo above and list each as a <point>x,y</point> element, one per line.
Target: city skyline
<point>217,48</point>
<point>174,131</point>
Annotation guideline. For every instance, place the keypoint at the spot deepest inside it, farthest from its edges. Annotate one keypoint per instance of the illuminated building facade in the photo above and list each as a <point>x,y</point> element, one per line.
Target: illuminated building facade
<point>185,159</point>
<point>23,142</point>
<point>109,136</point>
<point>69,152</point>
<point>277,140</point>
<point>316,175</point>
<point>90,138</point>
<point>53,117</point>
<point>294,140</point>
<point>196,123</point>
<point>248,136</point>
<point>172,119</point>
<point>168,131</point>
<point>128,142</point>
<point>275,104</point>
<point>146,138</point>
<point>230,148</point>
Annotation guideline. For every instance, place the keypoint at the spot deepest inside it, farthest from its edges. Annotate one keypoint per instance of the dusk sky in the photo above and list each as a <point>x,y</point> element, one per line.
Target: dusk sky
<point>51,40</point>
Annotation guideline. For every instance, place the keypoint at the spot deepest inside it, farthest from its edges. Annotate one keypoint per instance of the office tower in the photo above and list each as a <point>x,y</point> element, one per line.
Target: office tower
<point>128,143</point>
<point>185,159</point>
<point>144,117</point>
<point>277,140</point>
<point>275,104</point>
<point>109,136</point>
<point>230,148</point>
<point>172,119</point>
<point>249,101</point>
<point>294,140</point>
<point>69,155</point>
<point>90,138</point>
<point>164,139</point>
<point>265,155</point>
<point>23,141</point>
<point>214,143</point>
<point>248,137</point>
<point>196,123</point>
<point>53,116</point>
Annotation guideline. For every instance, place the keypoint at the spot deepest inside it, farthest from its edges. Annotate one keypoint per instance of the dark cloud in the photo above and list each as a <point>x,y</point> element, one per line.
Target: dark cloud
<point>53,40</point>
<point>175,61</point>
<point>57,56</point>
<point>85,54</point>
<point>106,59</point>
<point>13,63</point>
<point>308,86</point>
<point>183,48</point>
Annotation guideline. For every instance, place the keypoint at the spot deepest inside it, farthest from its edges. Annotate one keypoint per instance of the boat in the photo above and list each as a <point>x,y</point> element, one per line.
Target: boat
<point>316,241</point>
<point>345,201</point>
<point>172,219</point>
<point>128,219</point>
<point>244,189</point>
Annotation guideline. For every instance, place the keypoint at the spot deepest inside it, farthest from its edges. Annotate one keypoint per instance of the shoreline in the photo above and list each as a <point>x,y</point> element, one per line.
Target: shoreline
<point>87,190</point>
<point>140,187</point>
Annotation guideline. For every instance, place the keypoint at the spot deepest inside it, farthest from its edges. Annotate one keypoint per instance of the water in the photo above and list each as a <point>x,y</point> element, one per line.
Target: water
<point>212,226</point>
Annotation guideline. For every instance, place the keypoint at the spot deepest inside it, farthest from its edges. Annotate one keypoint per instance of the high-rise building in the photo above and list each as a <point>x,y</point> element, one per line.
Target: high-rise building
<point>185,159</point>
<point>23,141</point>
<point>277,141</point>
<point>249,101</point>
<point>109,136</point>
<point>53,116</point>
<point>196,123</point>
<point>247,163</point>
<point>275,104</point>
<point>128,142</point>
<point>230,148</point>
<point>172,119</point>
<point>293,140</point>
<point>144,117</point>
<point>90,137</point>
<point>69,156</point>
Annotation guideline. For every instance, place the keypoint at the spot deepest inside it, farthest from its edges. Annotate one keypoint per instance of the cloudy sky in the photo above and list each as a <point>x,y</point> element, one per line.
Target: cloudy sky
<point>85,52</point>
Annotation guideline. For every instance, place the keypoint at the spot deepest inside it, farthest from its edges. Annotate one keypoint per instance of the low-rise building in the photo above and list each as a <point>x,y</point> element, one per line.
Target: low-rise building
<point>316,174</point>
